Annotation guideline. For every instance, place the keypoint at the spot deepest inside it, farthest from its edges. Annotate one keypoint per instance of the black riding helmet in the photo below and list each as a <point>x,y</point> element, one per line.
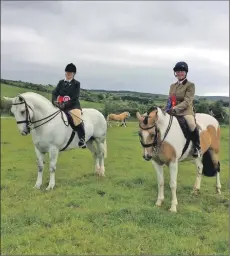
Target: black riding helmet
<point>71,68</point>
<point>181,66</point>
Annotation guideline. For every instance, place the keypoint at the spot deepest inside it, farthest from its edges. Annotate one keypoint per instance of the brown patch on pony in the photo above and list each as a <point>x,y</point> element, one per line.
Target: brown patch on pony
<point>153,115</point>
<point>205,141</point>
<point>215,138</point>
<point>167,153</point>
<point>215,144</point>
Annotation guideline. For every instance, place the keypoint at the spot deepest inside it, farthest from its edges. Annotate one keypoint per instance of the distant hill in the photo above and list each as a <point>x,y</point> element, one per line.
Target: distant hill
<point>119,93</point>
<point>215,98</point>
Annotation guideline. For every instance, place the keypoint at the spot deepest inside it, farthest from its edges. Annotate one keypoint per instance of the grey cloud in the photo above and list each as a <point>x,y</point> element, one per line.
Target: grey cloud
<point>91,33</point>
<point>31,6</point>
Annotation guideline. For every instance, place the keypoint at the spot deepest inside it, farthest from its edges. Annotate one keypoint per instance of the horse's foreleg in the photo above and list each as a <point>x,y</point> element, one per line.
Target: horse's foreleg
<point>53,155</point>
<point>40,164</point>
<point>173,166</point>
<point>199,167</point>
<point>160,180</point>
<point>124,123</point>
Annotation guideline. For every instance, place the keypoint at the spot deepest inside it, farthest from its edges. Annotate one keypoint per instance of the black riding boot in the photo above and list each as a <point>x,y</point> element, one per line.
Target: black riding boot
<point>196,143</point>
<point>81,134</point>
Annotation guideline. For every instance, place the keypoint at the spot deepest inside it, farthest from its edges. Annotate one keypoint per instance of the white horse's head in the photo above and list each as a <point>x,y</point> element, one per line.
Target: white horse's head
<point>22,107</point>
<point>22,112</point>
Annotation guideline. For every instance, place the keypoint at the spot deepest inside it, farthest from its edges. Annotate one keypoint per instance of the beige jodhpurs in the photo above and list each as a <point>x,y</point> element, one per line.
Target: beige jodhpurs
<point>190,119</point>
<point>76,115</point>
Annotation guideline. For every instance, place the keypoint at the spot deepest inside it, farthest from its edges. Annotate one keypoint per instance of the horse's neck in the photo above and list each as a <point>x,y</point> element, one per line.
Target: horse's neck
<point>163,122</point>
<point>41,109</point>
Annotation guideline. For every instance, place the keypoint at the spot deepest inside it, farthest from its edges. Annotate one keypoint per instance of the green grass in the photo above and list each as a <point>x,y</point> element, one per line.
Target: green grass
<point>12,91</point>
<point>112,215</point>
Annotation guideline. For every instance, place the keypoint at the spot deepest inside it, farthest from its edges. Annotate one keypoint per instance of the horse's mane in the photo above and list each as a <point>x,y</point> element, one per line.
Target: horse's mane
<point>35,96</point>
<point>151,109</point>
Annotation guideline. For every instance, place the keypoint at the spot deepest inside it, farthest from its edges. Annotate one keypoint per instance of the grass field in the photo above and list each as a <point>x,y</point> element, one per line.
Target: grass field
<point>12,91</point>
<point>112,215</point>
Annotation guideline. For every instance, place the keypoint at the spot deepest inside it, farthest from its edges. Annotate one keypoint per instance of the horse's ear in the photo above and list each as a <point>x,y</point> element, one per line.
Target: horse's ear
<point>8,100</point>
<point>20,98</point>
<point>139,117</point>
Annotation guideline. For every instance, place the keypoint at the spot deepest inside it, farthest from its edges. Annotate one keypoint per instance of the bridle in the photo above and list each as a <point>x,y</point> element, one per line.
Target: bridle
<point>154,145</point>
<point>28,120</point>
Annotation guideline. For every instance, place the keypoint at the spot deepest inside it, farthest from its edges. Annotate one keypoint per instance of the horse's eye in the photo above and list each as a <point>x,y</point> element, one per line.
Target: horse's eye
<point>152,134</point>
<point>23,112</point>
<point>139,133</point>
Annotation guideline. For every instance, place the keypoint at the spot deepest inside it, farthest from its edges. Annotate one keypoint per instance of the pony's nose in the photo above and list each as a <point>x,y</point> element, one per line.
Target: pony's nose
<point>147,157</point>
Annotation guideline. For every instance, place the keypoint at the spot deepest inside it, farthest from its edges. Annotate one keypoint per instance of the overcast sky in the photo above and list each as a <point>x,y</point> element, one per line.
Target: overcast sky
<point>117,45</point>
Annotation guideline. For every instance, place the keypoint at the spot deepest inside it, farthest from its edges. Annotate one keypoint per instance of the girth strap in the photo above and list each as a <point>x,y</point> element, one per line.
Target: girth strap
<point>70,140</point>
<point>185,147</point>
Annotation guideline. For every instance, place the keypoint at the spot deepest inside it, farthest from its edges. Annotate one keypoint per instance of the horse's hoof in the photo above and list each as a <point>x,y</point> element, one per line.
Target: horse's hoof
<point>159,203</point>
<point>173,209</point>
<point>195,192</point>
<point>50,187</point>
<point>218,191</point>
<point>37,186</point>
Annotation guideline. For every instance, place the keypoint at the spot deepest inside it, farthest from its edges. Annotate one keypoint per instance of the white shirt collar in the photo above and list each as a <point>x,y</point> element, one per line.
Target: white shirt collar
<point>180,82</point>
<point>68,80</point>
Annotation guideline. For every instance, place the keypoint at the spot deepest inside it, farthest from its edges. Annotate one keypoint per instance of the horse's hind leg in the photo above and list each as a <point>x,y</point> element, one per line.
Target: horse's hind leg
<point>94,152</point>
<point>101,155</point>
<point>53,155</point>
<point>199,167</point>
<point>40,163</point>
<point>215,159</point>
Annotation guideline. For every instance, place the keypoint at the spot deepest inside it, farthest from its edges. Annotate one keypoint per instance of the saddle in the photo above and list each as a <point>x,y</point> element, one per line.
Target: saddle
<point>71,123</point>
<point>70,119</point>
<point>184,126</point>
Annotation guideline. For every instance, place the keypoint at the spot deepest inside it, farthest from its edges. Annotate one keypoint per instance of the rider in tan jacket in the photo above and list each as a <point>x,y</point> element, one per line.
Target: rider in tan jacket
<point>181,96</point>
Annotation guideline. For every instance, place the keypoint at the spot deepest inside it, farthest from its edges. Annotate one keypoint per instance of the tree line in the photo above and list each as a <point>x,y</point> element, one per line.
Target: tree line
<point>117,103</point>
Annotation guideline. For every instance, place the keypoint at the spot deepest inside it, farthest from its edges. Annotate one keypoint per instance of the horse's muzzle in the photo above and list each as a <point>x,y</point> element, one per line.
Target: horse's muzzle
<point>147,157</point>
<point>25,132</point>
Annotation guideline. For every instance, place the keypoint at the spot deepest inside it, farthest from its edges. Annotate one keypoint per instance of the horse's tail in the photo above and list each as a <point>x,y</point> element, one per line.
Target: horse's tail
<point>209,167</point>
<point>210,160</point>
<point>105,149</point>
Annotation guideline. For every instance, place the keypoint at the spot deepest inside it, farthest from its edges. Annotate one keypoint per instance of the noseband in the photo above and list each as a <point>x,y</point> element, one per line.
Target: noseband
<point>154,143</point>
<point>28,120</point>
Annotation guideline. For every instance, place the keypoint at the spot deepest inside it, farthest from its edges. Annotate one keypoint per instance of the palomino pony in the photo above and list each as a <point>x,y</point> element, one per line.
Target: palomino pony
<point>51,131</point>
<point>121,118</point>
<point>165,141</point>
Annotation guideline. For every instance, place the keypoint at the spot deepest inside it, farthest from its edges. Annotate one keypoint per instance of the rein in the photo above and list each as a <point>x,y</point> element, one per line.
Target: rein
<point>28,120</point>
<point>154,143</point>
